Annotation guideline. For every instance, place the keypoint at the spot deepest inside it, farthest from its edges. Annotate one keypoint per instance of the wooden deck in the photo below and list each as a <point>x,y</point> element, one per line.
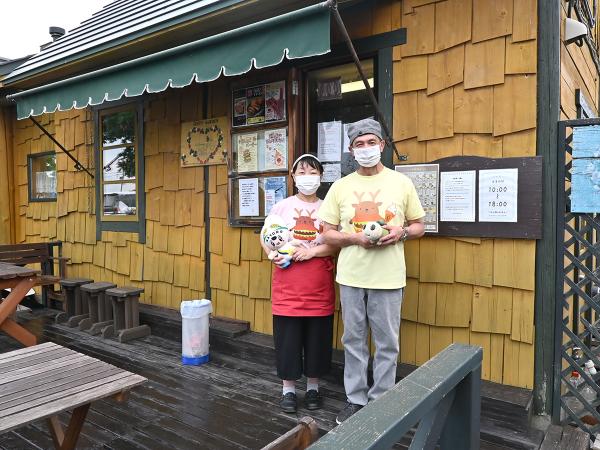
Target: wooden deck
<point>230,403</point>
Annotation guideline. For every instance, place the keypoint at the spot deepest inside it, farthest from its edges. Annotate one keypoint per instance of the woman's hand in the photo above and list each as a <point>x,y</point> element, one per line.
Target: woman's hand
<point>278,260</point>
<point>303,254</point>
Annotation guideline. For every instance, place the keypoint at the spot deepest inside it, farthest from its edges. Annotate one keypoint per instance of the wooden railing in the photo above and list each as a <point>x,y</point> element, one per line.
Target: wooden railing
<point>442,396</point>
<point>298,438</point>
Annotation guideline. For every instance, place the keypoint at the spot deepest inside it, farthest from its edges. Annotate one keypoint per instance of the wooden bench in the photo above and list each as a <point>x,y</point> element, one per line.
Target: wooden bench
<point>73,301</point>
<point>298,438</point>
<point>41,253</point>
<point>126,314</point>
<point>99,307</point>
<point>42,381</point>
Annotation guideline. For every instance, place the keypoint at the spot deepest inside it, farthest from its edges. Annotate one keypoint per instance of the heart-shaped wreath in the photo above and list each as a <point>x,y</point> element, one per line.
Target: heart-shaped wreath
<point>205,131</point>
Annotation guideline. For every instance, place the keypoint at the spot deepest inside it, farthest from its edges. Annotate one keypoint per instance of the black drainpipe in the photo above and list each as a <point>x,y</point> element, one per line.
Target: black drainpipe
<point>206,207</point>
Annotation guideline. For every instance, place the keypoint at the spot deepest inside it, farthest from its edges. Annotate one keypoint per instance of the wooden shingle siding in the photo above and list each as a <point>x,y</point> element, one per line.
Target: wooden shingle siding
<point>464,84</point>
<point>476,96</point>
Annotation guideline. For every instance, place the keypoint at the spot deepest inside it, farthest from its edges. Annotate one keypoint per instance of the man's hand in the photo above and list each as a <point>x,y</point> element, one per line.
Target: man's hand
<point>393,237</point>
<point>303,254</point>
<point>363,241</point>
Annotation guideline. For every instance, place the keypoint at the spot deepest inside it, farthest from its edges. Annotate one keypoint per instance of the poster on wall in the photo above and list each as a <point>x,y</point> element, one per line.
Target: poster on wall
<point>275,102</point>
<point>276,149</point>
<point>239,108</point>
<point>256,105</point>
<point>457,196</point>
<point>248,197</point>
<point>585,172</point>
<point>498,194</point>
<point>275,191</point>
<point>204,142</point>
<point>329,141</point>
<point>247,152</point>
<point>425,177</point>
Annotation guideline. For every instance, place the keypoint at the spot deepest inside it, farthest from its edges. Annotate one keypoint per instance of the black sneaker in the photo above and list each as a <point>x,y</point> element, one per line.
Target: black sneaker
<point>313,400</point>
<point>289,403</point>
<point>349,410</point>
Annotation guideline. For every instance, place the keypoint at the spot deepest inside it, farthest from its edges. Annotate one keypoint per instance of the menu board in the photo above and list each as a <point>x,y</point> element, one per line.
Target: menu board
<point>259,105</point>
<point>425,177</point>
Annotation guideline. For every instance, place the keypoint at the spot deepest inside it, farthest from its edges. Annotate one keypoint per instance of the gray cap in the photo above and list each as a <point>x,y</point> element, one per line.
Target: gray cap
<point>362,127</point>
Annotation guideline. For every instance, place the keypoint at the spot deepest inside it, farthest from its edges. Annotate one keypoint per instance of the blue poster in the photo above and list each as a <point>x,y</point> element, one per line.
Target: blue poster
<point>275,191</point>
<point>586,142</point>
<point>585,185</point>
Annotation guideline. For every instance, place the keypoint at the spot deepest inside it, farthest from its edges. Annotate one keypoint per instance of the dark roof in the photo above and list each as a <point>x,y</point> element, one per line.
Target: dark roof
<point>119,22</point>
<point>8,65</point>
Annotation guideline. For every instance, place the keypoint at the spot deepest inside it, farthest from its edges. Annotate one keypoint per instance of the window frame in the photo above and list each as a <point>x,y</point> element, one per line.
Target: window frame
<point>132,224</point>
<point>30,159</point>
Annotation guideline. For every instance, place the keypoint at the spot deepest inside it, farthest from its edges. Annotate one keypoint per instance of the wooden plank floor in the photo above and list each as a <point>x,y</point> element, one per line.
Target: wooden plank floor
<point>230,403</point>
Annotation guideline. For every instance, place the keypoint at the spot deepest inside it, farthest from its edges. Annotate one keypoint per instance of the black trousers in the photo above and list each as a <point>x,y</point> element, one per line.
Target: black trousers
<point>302,346</point>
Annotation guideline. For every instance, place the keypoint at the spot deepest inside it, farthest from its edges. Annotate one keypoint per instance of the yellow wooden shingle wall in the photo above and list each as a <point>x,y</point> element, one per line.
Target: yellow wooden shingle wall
<point>6,177</point>
<point>465,84</point>
<point>577,71</point>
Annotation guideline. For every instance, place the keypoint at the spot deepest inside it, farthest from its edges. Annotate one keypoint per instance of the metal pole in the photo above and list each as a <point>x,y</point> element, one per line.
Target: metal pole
<point>388,135</point>
<point>78,165</point>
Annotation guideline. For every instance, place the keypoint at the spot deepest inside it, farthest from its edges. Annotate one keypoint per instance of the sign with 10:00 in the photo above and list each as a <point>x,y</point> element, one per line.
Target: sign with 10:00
<point>498,195</point>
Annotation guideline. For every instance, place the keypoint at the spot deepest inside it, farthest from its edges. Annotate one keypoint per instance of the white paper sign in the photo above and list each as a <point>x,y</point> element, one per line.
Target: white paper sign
<point>248,197</point>
<point>329,141</point>
<point>457,196</point>
<point>345,140</point>
<point>331,172</point>
<point>498,193</point>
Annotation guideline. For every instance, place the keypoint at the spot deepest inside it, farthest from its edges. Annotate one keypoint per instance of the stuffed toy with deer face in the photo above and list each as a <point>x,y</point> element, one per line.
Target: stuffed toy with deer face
<point>276,236</point>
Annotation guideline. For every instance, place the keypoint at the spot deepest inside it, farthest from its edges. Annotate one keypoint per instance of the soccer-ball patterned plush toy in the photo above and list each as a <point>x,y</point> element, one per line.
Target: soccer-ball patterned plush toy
<point>276,236</point>
<point>374,230</point>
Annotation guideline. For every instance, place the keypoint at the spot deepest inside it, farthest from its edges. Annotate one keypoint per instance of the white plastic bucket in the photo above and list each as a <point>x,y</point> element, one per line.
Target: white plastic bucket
<point>194,331</point>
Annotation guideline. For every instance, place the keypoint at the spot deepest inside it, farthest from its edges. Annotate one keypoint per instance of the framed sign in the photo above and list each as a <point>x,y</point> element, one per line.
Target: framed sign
<point>426,178</point>
<point>204,142</point>
<point>259,105</point>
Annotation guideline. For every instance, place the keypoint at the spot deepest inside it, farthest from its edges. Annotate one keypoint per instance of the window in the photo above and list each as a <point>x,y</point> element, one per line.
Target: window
<point>260,151</point>
<point>336,96</point>
<point>42,177</point>
<point>119,171</point>
<point>118,159</point>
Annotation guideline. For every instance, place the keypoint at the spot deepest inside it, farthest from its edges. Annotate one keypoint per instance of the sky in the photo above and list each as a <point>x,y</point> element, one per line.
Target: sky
<point>25,23</point>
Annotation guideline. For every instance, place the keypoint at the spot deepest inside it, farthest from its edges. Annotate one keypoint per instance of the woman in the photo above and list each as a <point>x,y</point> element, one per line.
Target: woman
<point>303,295</point>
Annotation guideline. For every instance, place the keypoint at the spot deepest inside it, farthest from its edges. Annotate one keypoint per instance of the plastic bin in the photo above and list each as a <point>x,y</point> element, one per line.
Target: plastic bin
<point>194,331</point>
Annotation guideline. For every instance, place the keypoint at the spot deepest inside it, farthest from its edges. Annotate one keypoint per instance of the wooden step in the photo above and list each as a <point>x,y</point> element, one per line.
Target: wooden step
<point>559,437</point>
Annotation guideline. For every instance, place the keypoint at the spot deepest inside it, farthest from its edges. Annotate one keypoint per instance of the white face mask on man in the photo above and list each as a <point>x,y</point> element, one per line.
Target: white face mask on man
<point>367,156</point>
<point>308,184</point>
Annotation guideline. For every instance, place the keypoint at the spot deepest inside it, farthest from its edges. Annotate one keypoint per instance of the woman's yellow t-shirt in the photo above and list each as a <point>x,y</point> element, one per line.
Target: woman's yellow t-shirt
<point>354,200</point>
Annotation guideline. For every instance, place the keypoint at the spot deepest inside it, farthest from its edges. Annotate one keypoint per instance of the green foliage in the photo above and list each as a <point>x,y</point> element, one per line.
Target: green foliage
<point>119,128</point>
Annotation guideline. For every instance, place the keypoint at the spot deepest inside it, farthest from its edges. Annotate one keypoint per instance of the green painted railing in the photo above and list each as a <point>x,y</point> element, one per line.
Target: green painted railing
<point>442,396</point>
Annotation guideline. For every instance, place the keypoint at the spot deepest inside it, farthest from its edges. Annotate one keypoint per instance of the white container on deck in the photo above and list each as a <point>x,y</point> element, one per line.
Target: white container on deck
<point>194,331</point>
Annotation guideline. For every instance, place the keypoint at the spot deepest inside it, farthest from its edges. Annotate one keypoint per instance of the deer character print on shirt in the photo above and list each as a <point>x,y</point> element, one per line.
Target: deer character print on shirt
<point>305,229</point>
<point>368,211</point>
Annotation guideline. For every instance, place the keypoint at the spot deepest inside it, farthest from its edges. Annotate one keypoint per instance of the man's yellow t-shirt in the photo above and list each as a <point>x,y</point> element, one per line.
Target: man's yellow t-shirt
<point>355,199</point>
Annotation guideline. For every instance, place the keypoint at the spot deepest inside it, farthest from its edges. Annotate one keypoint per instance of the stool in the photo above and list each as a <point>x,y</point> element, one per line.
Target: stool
<point>73,308</point>
<point>100,310</point>
<point>126,314</point>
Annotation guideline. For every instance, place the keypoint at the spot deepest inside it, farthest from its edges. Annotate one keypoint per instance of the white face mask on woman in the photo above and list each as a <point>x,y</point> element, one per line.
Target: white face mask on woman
<point>308,184</point>
<point>367,156</point>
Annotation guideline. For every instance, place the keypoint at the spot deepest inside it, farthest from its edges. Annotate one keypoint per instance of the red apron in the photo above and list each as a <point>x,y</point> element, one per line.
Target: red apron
<point>304,288</point>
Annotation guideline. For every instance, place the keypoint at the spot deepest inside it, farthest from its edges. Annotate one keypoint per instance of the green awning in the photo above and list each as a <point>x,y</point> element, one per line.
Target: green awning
<point>298,34</point>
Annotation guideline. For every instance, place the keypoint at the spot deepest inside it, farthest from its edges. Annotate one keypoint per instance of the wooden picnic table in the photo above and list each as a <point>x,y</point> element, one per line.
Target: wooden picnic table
<point>42,381</point>
<point>20,280</point>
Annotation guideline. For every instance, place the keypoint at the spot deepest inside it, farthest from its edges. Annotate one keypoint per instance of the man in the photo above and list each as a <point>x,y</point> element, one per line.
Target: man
<point>371,275</point>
